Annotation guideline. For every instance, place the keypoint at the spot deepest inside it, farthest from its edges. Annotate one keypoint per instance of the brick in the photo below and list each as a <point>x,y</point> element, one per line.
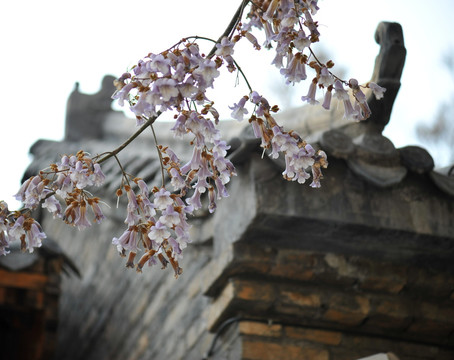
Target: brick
<point>320,336</point>
<point>258,350</point>
<point>387,323</point>
<point>260,329</point>
<point>430,328</point>
<point>394,308</point>
<point>347,310</point>
<point>299,299</point>
<point>254,290</point>
<point>22,280</point>
<point>344,318</point>
<point>422,282</point>
<point>305,258</point>
<point>389,284</point>
<point>297,265</point>
<point>292,271</point>
<point>414,350</point>
<point>438,312</point>
<point>390,314</point>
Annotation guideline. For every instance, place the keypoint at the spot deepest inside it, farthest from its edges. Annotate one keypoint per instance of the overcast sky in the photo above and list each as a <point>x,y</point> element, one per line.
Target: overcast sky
<point>49,45</point>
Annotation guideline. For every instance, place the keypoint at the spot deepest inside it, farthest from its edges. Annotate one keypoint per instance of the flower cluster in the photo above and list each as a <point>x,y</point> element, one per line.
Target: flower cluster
<point>68,180</point>
<point>158,225</point>
<point>157,220</point>
<point>290,28</point>
<point>299,156</point>
<point>21,227</point>
<point>170,80</point>
<point>177,80</point>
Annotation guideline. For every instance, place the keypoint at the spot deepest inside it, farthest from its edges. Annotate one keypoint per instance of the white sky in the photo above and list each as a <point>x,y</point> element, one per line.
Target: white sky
<point>48,45</point>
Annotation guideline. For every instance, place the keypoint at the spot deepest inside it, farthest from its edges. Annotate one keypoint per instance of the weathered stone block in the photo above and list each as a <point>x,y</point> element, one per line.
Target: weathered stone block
<point>314,335</point>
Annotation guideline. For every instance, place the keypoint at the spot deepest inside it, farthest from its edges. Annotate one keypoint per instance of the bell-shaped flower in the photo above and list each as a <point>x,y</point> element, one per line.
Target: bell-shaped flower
<point>167,88</point>
<point>81,220</point>
<point>225,47</point>
<point>158,63</point>
<point>295,70</point>
<point>98,175</point>
<point>339,91</point>
<point>170,217</point>
<point>53,206</point>
<point>238,110</point>
<point>310,97</point>
<point>377,90</point>
<point>158,232</point>
<point>162,199</point>
<point>34,236</point>
<point>327,99</point>
<point>206,73</point>
<point>325,78</point>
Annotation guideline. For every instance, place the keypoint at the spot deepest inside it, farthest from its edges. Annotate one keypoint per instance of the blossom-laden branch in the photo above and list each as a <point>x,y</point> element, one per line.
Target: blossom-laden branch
<point>177,80</point>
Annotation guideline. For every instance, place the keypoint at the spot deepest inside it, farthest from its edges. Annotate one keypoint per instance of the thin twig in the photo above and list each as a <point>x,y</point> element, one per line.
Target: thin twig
<point>236,18</point>
<point>159,153</point>
<point>149,122</point>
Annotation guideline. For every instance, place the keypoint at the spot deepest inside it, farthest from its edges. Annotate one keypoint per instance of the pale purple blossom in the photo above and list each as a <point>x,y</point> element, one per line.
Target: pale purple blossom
<point>53,206</point>
<point>325,78</point>
<point>146,105</point>
<point>195,162</point>
<point>206,73</point>
<point>80,176</point>
<point>170,217</point>
<point>310,97</point>
<point>81,220</point>
<point>158,232</point>
<point>162,199</point>
<point>176,179</point>
<point>158,63</point>
<point>64,185</point>
<point>123,94</point>
<point>339,91</point>
<point>301,41</point>
<point>34,237</point>
<point>238,109</point>
<point>176,250</point>
<point>98,175</point>
<point>225,47</point>
<point>377,90</point>
<point>17,230</point>
<point>195,200</point>
<point>282,142</point>
<point>179,129</point>
<point>187,89</point>
<point>349,112</point>
<point>295,70</point>
<point>290,18</point>
<point>327,99</point>
<point>127,241</point>
<point>220,187</point>
<point>99,216</point>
